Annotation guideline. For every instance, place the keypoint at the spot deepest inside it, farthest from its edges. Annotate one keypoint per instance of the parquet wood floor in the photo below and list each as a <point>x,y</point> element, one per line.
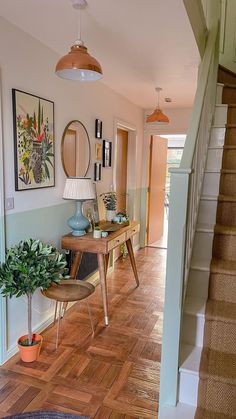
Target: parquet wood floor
<point>114,375</point>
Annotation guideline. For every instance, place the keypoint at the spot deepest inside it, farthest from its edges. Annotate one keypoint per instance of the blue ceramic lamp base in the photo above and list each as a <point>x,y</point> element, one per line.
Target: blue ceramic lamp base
<point>78,222</point>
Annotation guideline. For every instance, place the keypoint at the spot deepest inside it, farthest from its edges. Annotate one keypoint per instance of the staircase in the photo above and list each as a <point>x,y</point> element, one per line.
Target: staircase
<point>207,374</point>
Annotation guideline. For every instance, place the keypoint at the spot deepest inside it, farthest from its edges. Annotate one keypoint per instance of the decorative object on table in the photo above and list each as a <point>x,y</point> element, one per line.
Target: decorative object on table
<point>107,153</point>
<point>157,115</point>
<point>98,128</point>
<point>97,233</point>
<point>78,64</point>
<point>75,149</point>
<point>98,151</point>
<point>30,265</point>
<point>121,217</point>
<point>33,123</point>
<point>110,202</point>
<point>104,234</point>
<point>79,190</point>
<point>97,171</point>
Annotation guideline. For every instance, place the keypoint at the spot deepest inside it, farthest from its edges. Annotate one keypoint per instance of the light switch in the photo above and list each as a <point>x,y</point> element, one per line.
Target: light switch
<point>9,204</point>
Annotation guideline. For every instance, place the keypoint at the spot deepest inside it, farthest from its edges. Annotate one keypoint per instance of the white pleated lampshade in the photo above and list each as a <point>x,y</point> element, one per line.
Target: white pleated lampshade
<point>79,189</point>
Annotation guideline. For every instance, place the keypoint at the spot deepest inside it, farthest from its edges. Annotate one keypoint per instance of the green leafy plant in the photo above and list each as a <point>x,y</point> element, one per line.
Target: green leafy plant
<point>109,200</point>
<point>30,265</point>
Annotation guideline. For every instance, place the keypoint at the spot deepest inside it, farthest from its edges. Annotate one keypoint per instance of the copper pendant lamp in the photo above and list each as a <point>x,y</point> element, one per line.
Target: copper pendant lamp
<point>158,115</point>
<point>78,64</point>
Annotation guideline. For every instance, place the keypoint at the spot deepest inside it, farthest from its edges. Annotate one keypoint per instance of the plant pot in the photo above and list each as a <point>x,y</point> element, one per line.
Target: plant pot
<point>30,353</point>
<point>110,214</point>
<point>97,234</point>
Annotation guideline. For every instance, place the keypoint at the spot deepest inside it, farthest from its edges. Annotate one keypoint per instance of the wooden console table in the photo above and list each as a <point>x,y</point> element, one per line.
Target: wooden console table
<point>102,247</point>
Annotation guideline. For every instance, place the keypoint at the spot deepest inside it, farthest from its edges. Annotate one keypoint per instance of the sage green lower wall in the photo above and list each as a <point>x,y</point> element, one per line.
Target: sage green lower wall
<point>47,224</point>
<point>137,205</point>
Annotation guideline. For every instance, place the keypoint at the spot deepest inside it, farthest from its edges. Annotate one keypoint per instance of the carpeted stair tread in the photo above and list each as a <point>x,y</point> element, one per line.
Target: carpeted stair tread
<point>221,311</point>
<point>227,198</point>
<point>220,336</point>
<point>219,365</point>
<point>228,171</point>
<point>218,397</point>
<point>223,267</point>
<point>230,147</point>
<point>225,229</point>
<point>209,414</point>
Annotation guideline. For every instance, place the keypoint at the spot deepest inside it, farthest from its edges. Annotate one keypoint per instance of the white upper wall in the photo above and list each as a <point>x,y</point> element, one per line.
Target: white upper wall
<point>28,65</point>
<point>140,44</point>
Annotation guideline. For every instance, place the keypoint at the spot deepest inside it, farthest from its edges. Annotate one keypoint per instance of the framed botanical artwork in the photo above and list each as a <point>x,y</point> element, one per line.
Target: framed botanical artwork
<point>107,150</point>
<point>34,143</point>
<point>98,128</point>
<point>98,151</point>
<point>97,171</point>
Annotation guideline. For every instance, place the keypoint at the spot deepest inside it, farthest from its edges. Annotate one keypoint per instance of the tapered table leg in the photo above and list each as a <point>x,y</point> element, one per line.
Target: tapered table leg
<point>107,261</point>
<point>102,273</point>
<point>73,272</point>
<point>132,260</point>
<point>75,265</point>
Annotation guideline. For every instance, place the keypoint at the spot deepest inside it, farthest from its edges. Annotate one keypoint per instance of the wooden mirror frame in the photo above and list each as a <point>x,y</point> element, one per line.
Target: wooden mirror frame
<point>63,143</point>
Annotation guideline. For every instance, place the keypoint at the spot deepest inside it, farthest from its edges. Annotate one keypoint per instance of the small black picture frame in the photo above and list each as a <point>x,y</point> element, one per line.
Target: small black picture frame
<point>107,153</point>
<point>97,171</point>
<point>98,128</point>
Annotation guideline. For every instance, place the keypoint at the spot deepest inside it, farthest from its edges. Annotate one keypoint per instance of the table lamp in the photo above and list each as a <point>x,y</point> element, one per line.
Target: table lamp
<point>79,190</point>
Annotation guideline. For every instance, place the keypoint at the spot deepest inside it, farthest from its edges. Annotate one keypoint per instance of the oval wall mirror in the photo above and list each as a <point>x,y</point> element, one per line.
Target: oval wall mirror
<point>75,150</point>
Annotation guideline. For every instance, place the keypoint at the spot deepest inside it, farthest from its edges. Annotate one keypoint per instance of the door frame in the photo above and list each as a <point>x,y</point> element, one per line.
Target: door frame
<point>131,158</point>
<point>3,306</point>
<point>150,131</point>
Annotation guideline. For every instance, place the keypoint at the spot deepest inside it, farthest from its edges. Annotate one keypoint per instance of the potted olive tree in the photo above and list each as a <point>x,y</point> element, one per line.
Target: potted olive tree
<point>30,265</point>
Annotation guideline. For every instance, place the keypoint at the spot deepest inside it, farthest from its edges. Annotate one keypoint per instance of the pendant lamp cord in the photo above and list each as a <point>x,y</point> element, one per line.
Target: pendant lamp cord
<point>79,25</point>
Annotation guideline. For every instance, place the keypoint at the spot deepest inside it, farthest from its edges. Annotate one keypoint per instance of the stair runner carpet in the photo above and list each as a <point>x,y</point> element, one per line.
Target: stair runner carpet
<point>217,381</point>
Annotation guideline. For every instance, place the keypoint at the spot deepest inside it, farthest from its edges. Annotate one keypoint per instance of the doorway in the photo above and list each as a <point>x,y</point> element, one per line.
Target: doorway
<point>165,152</point>
<point>121,168</point>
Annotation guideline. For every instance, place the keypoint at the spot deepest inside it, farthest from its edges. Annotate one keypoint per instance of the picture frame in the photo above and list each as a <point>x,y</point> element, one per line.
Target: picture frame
<point>97,171</point>
<point>107,153</point>
<point>98,151</point>
<point>34,141</point>
<point>98,128</point>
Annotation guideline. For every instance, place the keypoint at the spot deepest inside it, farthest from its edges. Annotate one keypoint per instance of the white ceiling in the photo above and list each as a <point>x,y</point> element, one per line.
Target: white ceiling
<point>140,44</point>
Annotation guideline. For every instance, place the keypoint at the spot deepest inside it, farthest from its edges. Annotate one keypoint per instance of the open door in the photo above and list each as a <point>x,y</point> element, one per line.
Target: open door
<point>156,191</point>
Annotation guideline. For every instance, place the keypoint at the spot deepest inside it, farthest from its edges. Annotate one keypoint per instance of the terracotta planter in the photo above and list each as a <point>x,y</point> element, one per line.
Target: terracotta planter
<point>30,353</point>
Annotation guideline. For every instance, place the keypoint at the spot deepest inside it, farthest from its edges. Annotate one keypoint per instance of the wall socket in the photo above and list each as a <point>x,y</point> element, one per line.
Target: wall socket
<point>9,203</point>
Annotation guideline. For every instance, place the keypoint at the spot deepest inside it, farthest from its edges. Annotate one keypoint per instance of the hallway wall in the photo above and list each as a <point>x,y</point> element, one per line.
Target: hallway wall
<point>28,65</point>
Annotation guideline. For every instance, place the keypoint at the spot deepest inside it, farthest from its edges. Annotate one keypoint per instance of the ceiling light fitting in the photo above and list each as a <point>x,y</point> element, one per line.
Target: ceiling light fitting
<point>78,64</point>
<point>157,115</point>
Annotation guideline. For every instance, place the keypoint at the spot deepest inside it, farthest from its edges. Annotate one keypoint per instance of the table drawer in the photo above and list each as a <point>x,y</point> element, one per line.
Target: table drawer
<point>132,231</point>
<point>115,242</point>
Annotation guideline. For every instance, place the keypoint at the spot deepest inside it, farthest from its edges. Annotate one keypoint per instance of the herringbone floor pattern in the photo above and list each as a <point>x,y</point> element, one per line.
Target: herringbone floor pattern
<point>114,375</point>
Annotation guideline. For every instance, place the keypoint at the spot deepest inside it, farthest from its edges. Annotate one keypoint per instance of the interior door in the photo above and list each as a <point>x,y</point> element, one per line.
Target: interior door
<point>156,198</point>
<point>121,168</point>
